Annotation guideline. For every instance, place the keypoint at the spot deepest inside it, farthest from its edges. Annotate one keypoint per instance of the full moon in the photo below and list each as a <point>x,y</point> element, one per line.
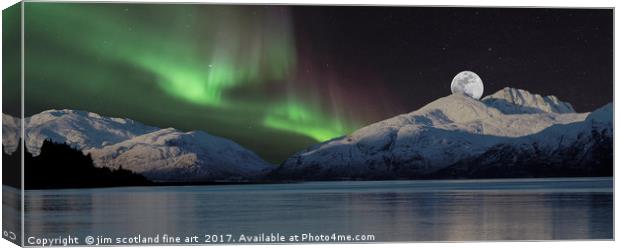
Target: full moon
<point>467,83</point>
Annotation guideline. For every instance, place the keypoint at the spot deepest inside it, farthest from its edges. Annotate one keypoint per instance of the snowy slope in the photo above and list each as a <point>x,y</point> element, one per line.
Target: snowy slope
<point>440,134</point>
<point>172,155</point>
<point>577,149</point>
<point>80,129</point>
<point>10,133</point>
<point>518,101</point>
<point>159,154</point>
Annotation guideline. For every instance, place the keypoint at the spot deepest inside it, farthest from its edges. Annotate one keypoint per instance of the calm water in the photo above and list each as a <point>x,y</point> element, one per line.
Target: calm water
<point>452,210</point>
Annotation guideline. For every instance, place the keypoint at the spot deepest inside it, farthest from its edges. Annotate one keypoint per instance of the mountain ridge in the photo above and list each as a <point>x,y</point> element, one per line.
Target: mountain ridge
<point>442,133</point>
<point>80,129</point>
<point>441,139</point>
<point>177,153</point>
<point>169,154</point>
<point>518,101</point>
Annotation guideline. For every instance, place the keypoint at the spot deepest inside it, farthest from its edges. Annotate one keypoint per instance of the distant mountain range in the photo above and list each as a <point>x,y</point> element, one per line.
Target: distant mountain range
<point>511,133</point>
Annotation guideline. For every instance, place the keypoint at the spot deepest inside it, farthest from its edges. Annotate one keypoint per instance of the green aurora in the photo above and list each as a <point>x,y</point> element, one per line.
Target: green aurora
<point>277,79</point>
<point>217,68</point>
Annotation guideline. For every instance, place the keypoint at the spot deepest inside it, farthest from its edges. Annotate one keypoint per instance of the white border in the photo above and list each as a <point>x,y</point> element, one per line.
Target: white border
<point>472,3</point>
<point>522,3</point>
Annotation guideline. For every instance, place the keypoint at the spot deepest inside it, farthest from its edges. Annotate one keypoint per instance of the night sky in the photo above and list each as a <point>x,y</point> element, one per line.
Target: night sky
<point>278,78</point>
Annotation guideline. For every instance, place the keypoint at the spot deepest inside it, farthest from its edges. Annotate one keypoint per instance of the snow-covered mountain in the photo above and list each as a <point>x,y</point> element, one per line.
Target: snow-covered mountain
<point>172,155</point>
<point>518,101</point>
<point>443,133</point>
<point>10,133</point>
<point>80,129</point>
<point>511,133</point>
<point>158,154</point>
<point>575,149</point>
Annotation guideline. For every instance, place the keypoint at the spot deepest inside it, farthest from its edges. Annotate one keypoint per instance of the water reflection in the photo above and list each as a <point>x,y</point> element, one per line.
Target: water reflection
<point>393,211</point>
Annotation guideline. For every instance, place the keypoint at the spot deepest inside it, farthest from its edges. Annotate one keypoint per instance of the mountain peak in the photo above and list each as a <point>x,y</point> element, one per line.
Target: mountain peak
<point>517,101</point>
<point>80,129</point>
<point>172,155</point>
<point>457,108</point>
<point>53,114</point>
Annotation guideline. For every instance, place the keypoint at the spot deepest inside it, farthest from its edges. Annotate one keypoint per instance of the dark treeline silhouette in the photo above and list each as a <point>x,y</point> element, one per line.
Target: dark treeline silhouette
<point>61,166</point>
<point>11,168</point>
